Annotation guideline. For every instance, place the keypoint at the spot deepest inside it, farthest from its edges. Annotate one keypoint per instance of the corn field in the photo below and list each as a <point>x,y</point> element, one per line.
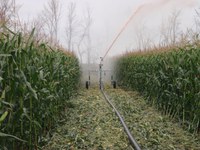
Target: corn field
<point>35,83</point>
<point>169,80</point>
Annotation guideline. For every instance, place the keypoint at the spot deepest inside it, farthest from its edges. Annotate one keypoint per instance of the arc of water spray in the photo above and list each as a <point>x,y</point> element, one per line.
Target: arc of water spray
<point>159,2</point>
<point>123,28</point>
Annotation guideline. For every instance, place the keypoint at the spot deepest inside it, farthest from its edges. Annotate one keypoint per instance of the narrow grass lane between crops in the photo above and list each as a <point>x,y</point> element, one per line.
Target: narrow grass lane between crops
<point>152,130</point>
<point>90,124</point>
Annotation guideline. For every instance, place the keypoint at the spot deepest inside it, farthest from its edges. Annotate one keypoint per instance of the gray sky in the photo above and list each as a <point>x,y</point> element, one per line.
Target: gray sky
<point>109,15</point>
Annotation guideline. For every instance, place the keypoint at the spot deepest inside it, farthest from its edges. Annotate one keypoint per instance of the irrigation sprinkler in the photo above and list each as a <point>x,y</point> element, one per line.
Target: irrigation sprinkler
<point>89,78</point>
<point>100,74</point>
<point>87,83</point>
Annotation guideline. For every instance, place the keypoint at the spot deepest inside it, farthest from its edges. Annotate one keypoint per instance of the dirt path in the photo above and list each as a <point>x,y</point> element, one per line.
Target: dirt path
<point>90,124</point>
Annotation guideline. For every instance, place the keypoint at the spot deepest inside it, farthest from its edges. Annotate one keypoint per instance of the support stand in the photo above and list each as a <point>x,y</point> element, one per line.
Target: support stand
<point>100,73</point>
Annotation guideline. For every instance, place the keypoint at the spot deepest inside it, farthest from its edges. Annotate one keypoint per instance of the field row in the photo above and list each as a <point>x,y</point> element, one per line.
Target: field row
<point>169,80</point>
<point>35,83</point>
<point>90,124</point>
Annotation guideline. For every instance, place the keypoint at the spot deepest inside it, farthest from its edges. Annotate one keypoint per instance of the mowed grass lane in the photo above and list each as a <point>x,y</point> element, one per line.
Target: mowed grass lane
<point>152,130</point>
<point>89,124</point>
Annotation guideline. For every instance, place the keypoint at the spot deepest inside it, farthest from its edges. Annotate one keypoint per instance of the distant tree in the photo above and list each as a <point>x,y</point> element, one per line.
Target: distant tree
<point>88,23</point>
<point>81,39</point>
<point>71,25</point>
<point>170,31</point>
<point>195,33</point>
<point>174,26</point>
<point>143,40</point>
<point>51,17</point>
<point>40,35</point>
<point>8,12</point>
<point>197,21</point>
<point>78,32</point>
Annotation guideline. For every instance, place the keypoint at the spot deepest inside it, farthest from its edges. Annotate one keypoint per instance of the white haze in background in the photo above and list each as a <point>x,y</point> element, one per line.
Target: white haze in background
<point>109,16</point>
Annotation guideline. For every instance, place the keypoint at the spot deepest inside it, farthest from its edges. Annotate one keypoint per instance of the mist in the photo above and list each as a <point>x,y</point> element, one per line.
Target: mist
<point>151,15</point>
<point>132,18</point>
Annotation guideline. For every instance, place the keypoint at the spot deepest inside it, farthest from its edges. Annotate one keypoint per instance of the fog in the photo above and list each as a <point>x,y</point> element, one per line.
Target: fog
<point>110,16</point>
<point>117,26</point>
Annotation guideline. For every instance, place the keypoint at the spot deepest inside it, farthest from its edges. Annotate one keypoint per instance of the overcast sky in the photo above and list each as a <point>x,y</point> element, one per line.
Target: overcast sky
<point>108,16</point>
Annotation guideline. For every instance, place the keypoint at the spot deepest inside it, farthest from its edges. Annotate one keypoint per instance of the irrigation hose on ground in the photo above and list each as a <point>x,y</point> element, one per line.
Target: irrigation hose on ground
<point>130,137</point>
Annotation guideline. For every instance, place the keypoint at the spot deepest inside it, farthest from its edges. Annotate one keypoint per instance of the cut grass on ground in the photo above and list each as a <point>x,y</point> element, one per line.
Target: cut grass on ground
<point>90,124</point>
<point>151,129</point>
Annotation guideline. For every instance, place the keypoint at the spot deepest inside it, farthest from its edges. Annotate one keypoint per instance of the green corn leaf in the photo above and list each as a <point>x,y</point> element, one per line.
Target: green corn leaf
<point>3,95</point>
<point>11,136</point>
<point>29,41</point>
<point>5,55</point>
<point>3,117</point>
<point>37,124</point>
<point>7,104</point>
<point>1,79</point>
<point>29,85</point>
<point>41,74</point>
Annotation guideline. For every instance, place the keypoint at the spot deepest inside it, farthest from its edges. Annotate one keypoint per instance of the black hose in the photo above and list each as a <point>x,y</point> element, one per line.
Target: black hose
<point>131,139</point>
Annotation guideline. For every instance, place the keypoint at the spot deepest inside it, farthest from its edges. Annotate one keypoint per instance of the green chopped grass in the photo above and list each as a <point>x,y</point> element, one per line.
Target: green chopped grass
<point>151,129</point>
<point>91,124</point>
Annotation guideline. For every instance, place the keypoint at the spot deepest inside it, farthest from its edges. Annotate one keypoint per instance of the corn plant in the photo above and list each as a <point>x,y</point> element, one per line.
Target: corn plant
<point>169,80</point>
<point>35,83</point>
